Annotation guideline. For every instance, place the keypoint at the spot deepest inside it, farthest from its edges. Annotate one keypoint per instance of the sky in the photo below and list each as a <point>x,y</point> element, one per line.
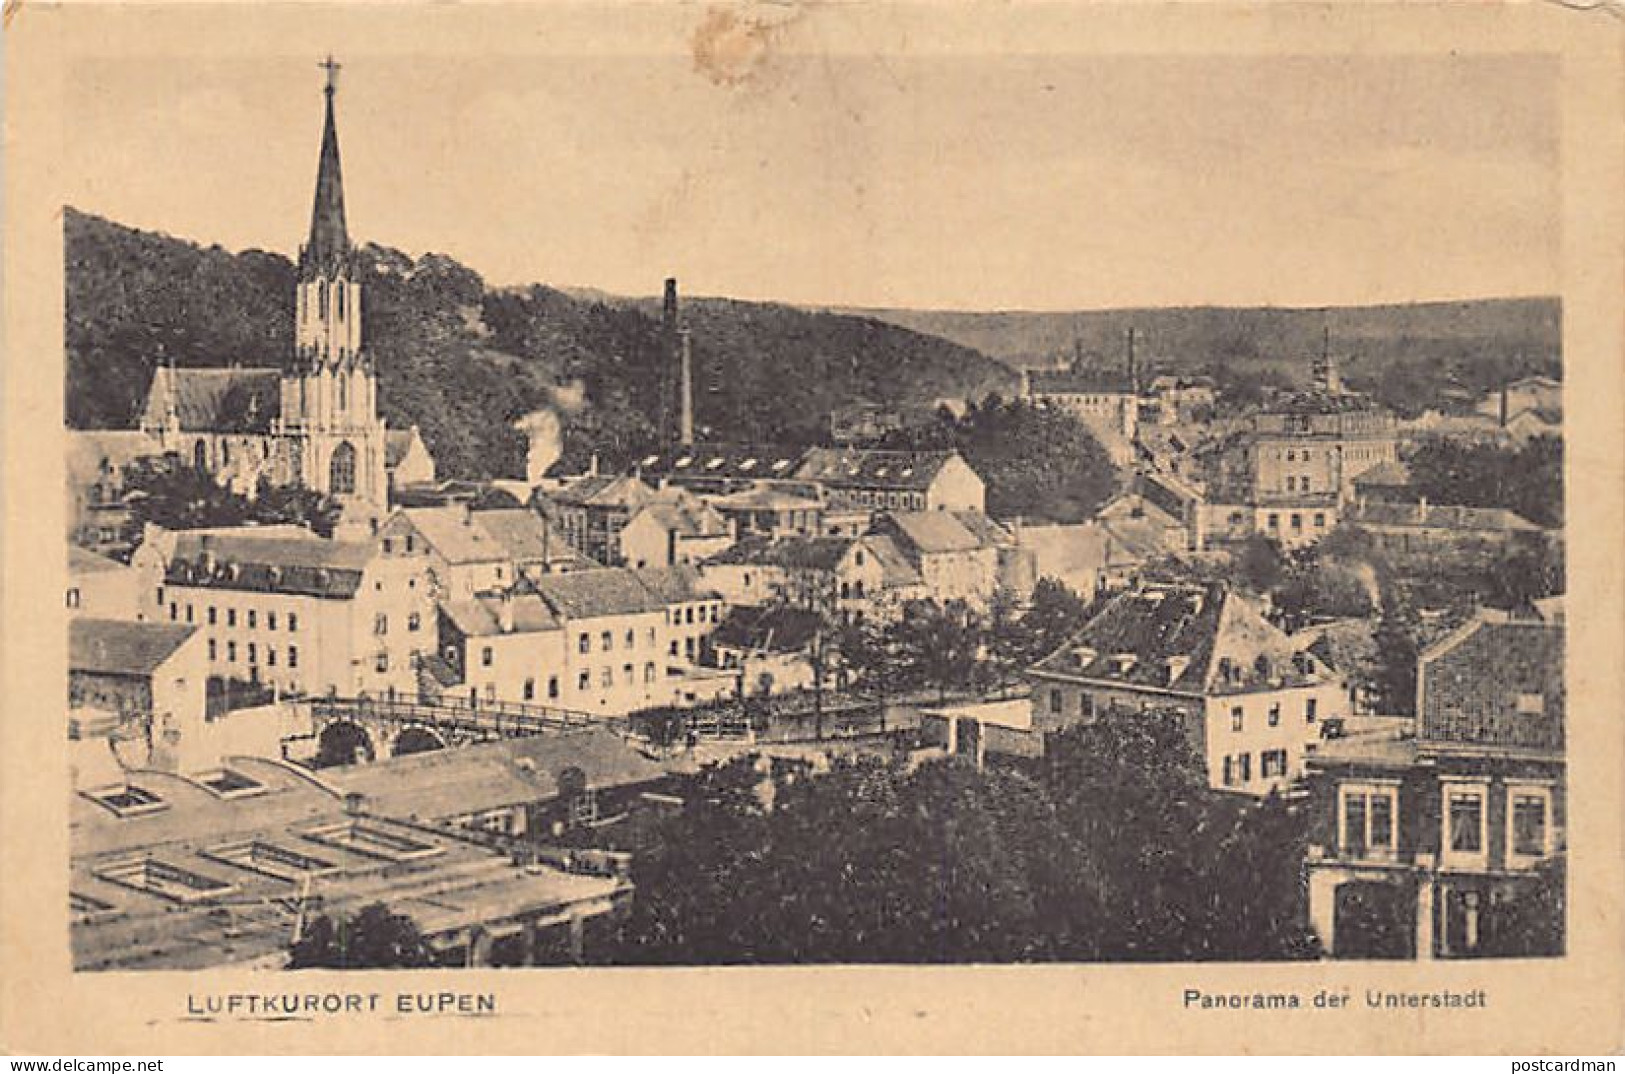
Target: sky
<point>945,181</point>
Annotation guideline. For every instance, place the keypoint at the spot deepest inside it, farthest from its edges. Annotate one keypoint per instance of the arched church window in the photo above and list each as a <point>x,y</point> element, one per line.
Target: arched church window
<point>225,453</point>
<point>321,298</point>
<point>344,391</point>
<point>341,470</point>
<point>341,289</point>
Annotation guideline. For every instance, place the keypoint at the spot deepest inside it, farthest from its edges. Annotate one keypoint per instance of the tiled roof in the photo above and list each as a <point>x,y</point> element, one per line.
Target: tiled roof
<point>676,585</point>
<point>453,534</point>
<point>216,400</point>
<point>1385,474</point>
<point>873,468</point>
<point>604,490</point>
<point>771,628</point>
<point>120,647</point>
<point>896,570</point>
<point>526,537</point>
<point>592,593</point>
<point>932,532</point>
<point>805,553</point>
<point>244,560</point>
<point>482,616</point>
<point>1473,684</point>
<point>689,519</point>
<point>765,497</point>
<point>1185,638</point>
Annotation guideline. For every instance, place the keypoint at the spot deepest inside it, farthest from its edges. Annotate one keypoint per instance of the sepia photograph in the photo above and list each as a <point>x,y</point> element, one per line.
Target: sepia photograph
<point>769,503</point>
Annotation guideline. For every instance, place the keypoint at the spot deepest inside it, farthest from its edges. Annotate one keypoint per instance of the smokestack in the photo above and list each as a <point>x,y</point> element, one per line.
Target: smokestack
<point>668,311</point>
<point>1504,405</point>
<point>685,429</point>
<point>1133,383</point>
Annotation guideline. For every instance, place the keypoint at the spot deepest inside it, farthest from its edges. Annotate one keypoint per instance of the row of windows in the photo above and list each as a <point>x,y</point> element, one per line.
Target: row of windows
<point>913,501</point>
<point>1239,768</point>
<point>1238,717</point>
<point>1367,825</point>
<point>711,613</point>
<point>380,623</point>
<point>1295,520</point>
<point>253,653</point>
<point>212,615</point>
<point>606,642</point>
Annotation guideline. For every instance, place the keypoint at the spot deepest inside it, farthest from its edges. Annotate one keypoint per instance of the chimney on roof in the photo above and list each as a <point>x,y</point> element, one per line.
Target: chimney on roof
<point>468,512</point>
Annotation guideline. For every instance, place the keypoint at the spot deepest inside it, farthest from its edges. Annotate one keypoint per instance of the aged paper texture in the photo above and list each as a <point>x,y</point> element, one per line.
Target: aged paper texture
<point>894,185</point>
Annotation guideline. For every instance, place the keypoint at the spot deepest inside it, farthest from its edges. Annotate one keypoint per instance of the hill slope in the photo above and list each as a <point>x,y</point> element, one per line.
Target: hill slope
<point>463,362</point>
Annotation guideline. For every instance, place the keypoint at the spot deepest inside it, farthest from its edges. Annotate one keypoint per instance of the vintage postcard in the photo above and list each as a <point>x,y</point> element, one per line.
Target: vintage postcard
<point>813,528</point>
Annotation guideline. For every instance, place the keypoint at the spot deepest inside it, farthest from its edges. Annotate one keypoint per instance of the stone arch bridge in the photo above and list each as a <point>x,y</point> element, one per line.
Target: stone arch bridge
<point>348,729</point>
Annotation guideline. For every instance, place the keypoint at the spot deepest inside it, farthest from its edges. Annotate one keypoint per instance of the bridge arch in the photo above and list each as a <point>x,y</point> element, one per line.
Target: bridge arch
<point>416,738</point>
<point>343,742</point>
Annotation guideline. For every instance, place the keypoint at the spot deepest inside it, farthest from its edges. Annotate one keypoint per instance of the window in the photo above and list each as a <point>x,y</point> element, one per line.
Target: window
<point>1274,521</point>
<point>341,470</point>
<point>1236,718</point>
<point>253,618</point>
<point>584,681</point>
<point>253,656</point>
<point>293,623</point>
<point>1297,521</point>
<point>270,656</point>
<point>214,650</point>
<point>188,610</point>
<point>1272,763</point>
<point>73,598</point>
<point>1055,701</point>
<point>552,687</point>
<point>1291,483</point>
<point>584,644</point>
<point>1275,714</point>
<point>487,657</point>
<point>213,615</point>
<point>1244,768</point>
<point>490,691</point>
<point>631,638</point>
<point>530,690</point>
<point>1465,817</point>
<point>649,672</point>
<point>1309,709</point>
<point>1530,823</point>
<point>1531,704</point>
<point>1229,771</point>
<point>231,651</point>
<point>270,620</point>
<point>606,641</point>
<point>1320,520</point>
<point>688,615</point>
<point>673,651</point>
<point>606,678</point>
<point>160,599</point>
<point>626,674</point>
<point>174,611</point>
<point>409,542</point>
<point>1367,818</point>
<point>380,623</point>
<point>293,655</point>
<point>382,663</point>
<point>652,642</point>
<point>231,617</point>
<point>1086,705</point>
<point>413,622</point>
<point>688,648</point>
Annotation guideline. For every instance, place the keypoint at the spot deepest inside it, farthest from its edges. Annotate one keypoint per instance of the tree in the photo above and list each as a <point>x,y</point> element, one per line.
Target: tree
<point>1259,565</point>
<point>297,505</point>
<point>374,938</point>
<point>1398,638</point>
<point>166,492</point>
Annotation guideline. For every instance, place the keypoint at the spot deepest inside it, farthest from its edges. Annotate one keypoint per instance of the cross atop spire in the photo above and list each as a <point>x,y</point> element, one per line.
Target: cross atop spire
<point>329,240</point>
<point>332,67</point>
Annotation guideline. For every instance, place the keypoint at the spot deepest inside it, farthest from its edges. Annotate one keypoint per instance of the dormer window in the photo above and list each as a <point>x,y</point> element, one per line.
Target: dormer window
<point>1123,663</point>
<point>1084,655</point>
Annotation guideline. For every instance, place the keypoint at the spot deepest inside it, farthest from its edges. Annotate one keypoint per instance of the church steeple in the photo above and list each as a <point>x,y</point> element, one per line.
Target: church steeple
<point>329,242</point>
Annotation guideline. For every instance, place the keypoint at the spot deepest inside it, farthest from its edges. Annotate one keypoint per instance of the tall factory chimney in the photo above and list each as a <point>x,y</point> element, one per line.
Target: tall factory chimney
<point>1133,380</point>
<point>685,427</point>
<point>668,312</point>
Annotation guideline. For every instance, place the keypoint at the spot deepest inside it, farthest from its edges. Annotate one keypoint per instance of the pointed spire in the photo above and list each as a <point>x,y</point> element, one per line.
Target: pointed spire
<point>329,240</point>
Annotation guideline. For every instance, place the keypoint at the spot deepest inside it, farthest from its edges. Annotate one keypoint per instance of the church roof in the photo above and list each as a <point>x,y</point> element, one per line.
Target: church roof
<point>329,240</point>
<point>215,400</point>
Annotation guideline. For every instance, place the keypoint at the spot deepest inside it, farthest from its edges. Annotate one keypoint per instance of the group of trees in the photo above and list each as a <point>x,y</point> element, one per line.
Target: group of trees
<point>374,937</point>
<point>1528,479</point>
<point>1111,849</point>
<point>176,495</point>
<point>1039,462</point>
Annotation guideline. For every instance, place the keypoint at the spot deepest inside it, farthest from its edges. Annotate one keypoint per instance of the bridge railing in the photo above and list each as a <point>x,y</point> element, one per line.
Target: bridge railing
<point>500,717</point>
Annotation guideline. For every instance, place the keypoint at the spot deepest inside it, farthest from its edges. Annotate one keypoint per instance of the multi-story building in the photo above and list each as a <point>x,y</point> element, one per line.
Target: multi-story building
<point>1435,837</point>
<point>1105,400</point>
<point>670,533</point>
<point>1252,703</point>
<point>960,555</point>
<point>615,644</point>
<point>472,552</point>
<point>693,610</point>
<point>837,576</point>
<point>592,510</point>
<point>301,613</point>
<point>894,480</point>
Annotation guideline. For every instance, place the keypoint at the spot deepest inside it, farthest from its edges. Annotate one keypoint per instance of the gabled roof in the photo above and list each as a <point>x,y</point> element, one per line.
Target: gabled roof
<point>215,400</point>
<point>871,468</point>
<point>482,616</point>
<point>526,537</point>
<point>932,532</point>
<point>120,647</point>
<point>896,570</point>
<point>1385,475</point>
<point>590,594</point>
<point>605,490</point>
<point>397,442</point>
<point>777,628</point>
<point>686,519</point>
<point>453,533</point>
<point>1187,639</point>
<point>241,559</point>
<point>802,553</point>
<point>676,585</point>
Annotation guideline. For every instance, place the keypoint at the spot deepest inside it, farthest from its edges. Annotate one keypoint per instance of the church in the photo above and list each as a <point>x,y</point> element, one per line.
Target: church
<point>314,422</point>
